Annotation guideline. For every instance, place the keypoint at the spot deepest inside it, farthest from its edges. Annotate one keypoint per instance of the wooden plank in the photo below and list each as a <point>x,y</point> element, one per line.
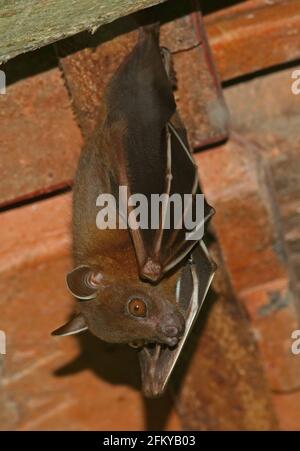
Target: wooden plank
<point>254,35</point>
<point>245,38</point>
<point>29,24</point>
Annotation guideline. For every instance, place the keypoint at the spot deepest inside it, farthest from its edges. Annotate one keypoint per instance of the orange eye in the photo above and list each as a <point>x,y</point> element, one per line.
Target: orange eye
<point>137,307</point>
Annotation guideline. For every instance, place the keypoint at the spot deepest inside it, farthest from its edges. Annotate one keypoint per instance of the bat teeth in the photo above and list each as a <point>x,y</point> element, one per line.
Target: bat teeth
<point>172,341</point>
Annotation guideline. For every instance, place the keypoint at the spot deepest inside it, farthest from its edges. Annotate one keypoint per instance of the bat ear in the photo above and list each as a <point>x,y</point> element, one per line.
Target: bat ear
<point>83,282</point>
<point>72,327</point>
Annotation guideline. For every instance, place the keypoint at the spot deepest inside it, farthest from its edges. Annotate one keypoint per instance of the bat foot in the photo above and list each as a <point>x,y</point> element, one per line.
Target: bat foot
<point>151,270</point>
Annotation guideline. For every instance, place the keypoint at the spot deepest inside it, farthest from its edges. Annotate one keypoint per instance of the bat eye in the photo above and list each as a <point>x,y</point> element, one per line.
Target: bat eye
<point>137,307</point>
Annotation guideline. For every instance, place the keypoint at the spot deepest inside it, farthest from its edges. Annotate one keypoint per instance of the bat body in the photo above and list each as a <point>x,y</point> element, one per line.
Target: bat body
<point>129,284</point>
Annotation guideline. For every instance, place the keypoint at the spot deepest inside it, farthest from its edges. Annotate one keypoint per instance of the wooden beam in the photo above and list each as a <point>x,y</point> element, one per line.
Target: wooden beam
<point>28,24</point>
<point>245,38</point>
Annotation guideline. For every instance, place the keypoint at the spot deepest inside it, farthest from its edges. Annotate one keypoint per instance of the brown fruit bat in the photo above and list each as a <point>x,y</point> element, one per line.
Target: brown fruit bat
<point>139,286</point>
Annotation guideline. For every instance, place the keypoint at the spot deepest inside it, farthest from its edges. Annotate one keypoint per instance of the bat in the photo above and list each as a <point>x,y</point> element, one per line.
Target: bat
<point>141,286</point>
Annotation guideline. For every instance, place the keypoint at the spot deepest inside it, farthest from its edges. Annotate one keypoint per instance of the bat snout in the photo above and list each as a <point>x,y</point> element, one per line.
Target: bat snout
<point>171,331</point>
<point>171,328</point>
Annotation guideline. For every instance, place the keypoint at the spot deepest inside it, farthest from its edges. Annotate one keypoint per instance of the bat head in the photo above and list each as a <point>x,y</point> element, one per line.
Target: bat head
<point>132,312</point>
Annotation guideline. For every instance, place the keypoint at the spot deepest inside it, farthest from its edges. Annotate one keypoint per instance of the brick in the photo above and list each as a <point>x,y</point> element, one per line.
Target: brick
<point>236,182</point>
<point>287,408</point>
<point>37,254</point>
<point>199,97</point>
<point>241,36</point>
<point>34,233</point>
<point>271,122</point>
<point>39,139</point>
<point>273,316</point>
<point>231,176</point>
<point>224,387</point>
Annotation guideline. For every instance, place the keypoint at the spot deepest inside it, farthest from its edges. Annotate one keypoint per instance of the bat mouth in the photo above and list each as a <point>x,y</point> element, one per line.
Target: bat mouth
<point>171,341</point>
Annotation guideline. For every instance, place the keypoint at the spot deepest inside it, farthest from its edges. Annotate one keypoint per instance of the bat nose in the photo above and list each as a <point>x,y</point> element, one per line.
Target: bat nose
<point>172,327</point>
<point>171,331</point>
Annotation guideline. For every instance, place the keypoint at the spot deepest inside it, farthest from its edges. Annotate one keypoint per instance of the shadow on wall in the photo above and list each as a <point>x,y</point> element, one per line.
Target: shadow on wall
<point>117,364</point>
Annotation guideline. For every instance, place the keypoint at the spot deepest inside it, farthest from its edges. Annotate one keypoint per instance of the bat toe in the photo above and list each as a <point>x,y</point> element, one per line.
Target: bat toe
<point>151,270</point>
